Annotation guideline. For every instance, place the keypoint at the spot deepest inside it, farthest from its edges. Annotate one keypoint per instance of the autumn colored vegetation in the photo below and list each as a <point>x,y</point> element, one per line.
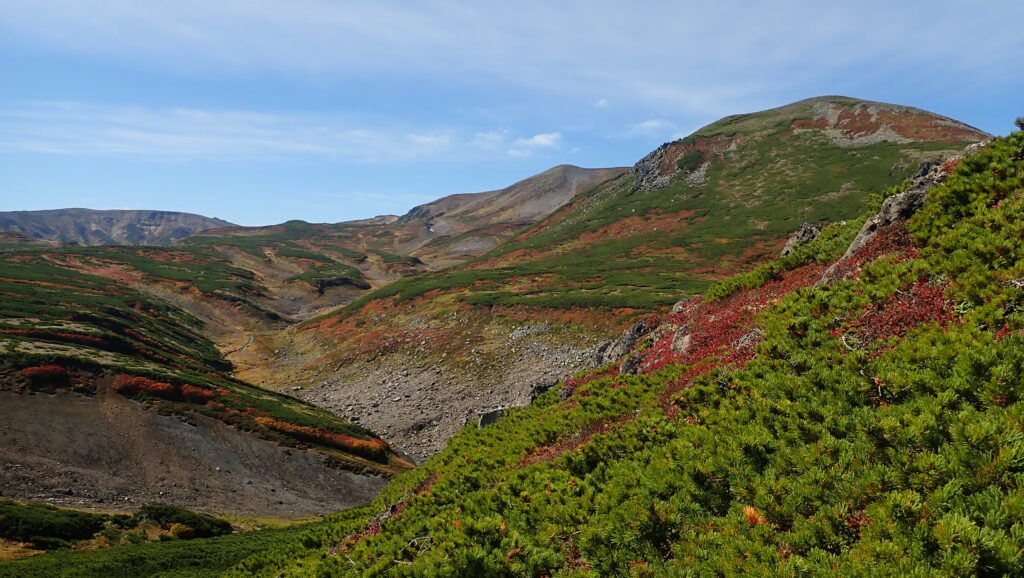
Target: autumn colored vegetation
<point>63,328</point>
<point>869,425</point>
<point>44,375</point>
<point>373,448</point>
<point>863,425</point>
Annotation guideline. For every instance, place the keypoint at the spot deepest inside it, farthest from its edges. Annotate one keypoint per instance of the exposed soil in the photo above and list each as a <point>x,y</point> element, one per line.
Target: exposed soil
<point>109,453</point>
<point>417,405</point>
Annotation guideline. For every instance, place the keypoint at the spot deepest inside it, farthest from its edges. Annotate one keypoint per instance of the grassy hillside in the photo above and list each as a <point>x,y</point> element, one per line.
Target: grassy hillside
<point>61,329</point>
<point>703,208</point>
<point>866,426</point>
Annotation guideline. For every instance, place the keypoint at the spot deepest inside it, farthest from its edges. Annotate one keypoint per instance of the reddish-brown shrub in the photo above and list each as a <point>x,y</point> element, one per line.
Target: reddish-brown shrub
<point>196,394</point>
<point>374,448</point>
<point>129,385</point>
<point>753,517</point>
<point>46,375</point>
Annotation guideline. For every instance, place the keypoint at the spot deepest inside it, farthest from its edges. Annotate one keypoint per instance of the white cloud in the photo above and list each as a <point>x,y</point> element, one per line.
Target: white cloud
<point>543,140</point>
<point>526,146</point>
<point>490,140</point>
<point>81,129</point>
<point>601,103</point>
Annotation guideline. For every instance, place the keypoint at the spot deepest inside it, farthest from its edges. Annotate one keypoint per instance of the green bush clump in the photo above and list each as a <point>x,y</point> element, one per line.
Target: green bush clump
<point>689,161</point>
<point>167,516</point>
<point>46,526</point>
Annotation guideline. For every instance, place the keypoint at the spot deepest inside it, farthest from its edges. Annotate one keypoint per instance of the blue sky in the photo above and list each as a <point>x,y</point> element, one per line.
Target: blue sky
<point>260,111</point>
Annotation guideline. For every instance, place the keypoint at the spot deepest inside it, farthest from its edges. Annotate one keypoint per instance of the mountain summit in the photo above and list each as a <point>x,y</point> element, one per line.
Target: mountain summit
<point>116,227</point>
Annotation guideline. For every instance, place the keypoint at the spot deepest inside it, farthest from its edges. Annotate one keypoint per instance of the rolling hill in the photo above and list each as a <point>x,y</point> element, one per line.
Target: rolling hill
<point>116,227</point>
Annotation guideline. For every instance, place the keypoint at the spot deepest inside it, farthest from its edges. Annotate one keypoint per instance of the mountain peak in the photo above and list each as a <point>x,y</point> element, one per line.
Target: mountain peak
<point>837,120</point>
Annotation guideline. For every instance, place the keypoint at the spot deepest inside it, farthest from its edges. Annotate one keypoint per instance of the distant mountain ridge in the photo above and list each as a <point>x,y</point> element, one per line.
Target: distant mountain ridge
<point>112,227</point>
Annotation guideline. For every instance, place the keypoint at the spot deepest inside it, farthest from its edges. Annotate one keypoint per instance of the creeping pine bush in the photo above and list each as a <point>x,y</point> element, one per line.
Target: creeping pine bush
<point>870,426</point>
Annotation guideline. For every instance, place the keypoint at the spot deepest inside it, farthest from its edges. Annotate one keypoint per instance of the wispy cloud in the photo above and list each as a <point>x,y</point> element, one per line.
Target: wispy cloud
<point>527,146</point>
<point>80,129</point>
<point>651,128</point>
<point>640,52</point>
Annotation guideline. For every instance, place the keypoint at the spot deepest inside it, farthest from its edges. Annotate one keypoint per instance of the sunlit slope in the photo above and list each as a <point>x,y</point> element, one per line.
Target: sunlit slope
<point>833,413</point>
<point>65,330</point>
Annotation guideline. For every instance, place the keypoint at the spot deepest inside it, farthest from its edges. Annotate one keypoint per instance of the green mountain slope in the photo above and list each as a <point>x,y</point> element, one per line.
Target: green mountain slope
<point>716,203</point>
<point>867,425</point>
<point>712,204</point>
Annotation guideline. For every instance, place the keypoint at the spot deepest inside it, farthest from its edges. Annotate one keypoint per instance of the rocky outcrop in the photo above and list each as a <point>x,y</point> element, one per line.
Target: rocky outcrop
<point>489,417</point>
<point>805,234</point>
<point>682,339</point>
<point>898,208</point>
<point>689,157</point>
<point>647,171</point>
<point>614,350</point>
<point>417,405</point>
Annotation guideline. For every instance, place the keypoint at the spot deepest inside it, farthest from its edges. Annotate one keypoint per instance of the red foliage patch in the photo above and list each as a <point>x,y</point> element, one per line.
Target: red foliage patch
<point>46,375</point>
<point>560,447</point>
<point>724,330</point>
<point>131,385</point>
<point>196,394</point>
<point>720,333</point>
<point>372,529</point>
<point>905,310</point>
<point>892,239</point>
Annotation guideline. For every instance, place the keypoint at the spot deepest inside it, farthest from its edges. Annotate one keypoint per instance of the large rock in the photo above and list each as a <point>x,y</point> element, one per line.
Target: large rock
<point>807,233</point>
<point>613,350</point>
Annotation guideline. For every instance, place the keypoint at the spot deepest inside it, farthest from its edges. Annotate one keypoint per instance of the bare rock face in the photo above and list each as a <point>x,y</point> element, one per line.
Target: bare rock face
<point>630,365</point>
<point>805,234</point>
<point>682,340</point>
<point>614,350</point>
<point>688,157</point>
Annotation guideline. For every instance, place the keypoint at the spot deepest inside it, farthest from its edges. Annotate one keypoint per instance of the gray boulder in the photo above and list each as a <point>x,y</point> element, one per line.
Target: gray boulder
<point>805,234</point>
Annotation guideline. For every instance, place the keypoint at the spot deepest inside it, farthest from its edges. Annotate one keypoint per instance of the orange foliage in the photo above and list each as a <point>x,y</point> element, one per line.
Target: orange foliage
<point>753,517</point>
<point>49,374</point>
<point>196,394</point>
<point>129,385</point>
<point>373,448</point>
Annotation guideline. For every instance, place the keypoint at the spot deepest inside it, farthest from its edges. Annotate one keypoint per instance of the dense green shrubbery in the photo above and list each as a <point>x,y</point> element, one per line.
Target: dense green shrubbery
<point>876,432</point>
<point>46,526</point>
<point>177,558</point>
<point>201,525</point>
